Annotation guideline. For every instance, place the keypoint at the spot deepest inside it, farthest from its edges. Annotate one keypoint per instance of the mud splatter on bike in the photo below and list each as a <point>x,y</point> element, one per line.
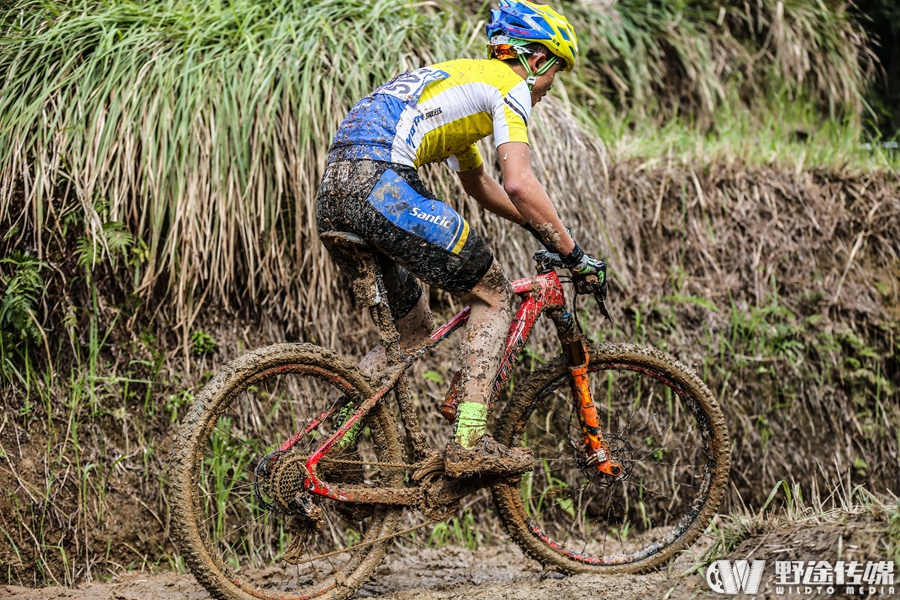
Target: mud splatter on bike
<point>289,475</point>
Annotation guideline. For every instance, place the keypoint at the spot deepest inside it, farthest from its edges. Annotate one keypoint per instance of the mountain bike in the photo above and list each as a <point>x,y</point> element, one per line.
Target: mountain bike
<point>289,476</point>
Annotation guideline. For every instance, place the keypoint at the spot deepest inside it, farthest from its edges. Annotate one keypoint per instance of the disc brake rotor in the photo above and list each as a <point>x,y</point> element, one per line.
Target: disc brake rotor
<point>620,450</point>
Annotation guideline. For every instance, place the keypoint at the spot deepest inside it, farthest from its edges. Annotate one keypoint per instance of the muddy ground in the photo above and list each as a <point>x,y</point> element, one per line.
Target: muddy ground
<point>503,572</point>
<point>406,574</point>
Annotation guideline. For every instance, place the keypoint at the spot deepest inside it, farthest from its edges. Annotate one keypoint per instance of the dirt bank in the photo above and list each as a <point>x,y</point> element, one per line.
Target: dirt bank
<point>779,287</point>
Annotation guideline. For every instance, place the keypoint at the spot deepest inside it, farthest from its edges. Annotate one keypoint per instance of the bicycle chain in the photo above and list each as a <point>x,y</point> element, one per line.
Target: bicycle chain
<point>344,461</point>
<point>355,547</point>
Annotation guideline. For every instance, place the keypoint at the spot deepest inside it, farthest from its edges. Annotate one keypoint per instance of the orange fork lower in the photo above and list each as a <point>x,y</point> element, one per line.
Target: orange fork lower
<point>590,422</point>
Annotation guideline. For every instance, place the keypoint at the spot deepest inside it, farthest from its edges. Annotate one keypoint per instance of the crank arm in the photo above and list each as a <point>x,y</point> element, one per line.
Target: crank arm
<point>445,490</point>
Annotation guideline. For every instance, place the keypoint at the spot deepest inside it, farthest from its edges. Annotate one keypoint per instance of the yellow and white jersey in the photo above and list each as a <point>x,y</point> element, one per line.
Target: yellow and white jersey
<point>437,113</point>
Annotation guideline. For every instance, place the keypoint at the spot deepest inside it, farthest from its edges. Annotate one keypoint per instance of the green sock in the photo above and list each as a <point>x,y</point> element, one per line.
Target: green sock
<point>471,423</point>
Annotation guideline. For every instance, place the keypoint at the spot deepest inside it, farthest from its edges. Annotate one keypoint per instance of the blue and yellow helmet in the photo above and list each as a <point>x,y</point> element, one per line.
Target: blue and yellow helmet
<point>516,24</point>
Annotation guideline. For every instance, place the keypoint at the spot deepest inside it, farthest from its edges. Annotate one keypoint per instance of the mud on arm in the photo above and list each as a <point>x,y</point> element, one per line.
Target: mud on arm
<point>529,197</point>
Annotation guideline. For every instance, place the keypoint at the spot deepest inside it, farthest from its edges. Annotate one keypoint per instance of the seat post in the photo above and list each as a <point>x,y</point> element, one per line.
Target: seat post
<point>380,311</point>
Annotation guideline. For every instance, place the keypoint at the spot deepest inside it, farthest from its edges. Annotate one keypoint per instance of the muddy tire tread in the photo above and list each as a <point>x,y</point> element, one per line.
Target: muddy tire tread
<point>184,455</point>
<point>506,496</point>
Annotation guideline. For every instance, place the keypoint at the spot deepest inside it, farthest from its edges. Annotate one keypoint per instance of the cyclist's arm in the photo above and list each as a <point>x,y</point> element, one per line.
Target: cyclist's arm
<point>489,194</point>
<point>529,197</point>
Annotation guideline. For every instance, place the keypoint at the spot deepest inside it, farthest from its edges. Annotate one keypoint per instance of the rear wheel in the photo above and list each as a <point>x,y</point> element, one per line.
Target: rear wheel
<point>243,522</point>
<point>662,423</point>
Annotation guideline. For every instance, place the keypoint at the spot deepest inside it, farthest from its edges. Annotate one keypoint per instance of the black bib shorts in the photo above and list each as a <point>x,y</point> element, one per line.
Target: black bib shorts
<point>415,234</point>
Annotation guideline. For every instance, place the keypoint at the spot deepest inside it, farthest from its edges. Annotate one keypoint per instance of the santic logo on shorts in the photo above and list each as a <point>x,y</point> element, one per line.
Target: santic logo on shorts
<point>436,219</point>
<point>400,204</point>
<point>734,577</point>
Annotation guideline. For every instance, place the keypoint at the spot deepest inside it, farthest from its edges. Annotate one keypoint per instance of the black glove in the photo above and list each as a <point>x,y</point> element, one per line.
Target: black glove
<point>583,265</point>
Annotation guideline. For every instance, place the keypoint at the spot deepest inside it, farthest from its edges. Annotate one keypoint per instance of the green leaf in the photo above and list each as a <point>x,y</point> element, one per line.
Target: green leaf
<point>433,376</point>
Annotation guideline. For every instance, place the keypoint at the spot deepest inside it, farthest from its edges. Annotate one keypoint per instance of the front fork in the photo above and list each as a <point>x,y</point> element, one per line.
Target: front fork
<point>575,346</point>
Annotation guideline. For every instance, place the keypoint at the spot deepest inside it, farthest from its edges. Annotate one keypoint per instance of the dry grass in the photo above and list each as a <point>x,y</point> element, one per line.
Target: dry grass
<point>188,142</point>
<point>789,507</point>
<point>203,131</point>
<point>781,288</point>
<point>845,523</point>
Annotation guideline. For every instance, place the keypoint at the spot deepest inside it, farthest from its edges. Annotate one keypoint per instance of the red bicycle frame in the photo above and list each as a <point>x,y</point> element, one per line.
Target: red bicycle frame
<point>540,293</point>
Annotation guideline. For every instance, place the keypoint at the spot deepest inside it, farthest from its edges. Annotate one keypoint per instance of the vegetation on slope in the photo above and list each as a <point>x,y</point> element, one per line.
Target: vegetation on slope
<point>202,128</point>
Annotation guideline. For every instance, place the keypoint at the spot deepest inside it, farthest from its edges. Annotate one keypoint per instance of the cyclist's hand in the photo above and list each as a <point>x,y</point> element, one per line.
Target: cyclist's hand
<point>582,265</point>
<point>589,266</point>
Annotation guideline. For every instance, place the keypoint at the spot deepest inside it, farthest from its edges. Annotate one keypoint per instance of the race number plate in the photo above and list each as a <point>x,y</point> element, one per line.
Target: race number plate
<point>408,87</point>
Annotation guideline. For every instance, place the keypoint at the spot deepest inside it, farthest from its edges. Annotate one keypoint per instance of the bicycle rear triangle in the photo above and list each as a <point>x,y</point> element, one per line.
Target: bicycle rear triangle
<point>289,477</point>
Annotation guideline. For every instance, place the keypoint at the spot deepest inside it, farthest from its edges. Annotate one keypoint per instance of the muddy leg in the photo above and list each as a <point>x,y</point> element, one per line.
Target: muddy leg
<point>491,303</point>
<point>413,329</point>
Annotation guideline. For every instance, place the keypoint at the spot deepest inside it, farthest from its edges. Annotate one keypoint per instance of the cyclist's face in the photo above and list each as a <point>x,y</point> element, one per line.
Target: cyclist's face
<point>543,84</point>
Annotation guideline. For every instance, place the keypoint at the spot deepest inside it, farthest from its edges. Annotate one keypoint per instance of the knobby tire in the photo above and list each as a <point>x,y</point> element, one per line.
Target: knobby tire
<point>234,546</point>
<point>663,423</point>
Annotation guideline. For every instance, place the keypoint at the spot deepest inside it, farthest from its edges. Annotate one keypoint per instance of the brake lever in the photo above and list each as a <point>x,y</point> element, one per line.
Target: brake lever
<point>603,310</point>
<point>592,285</point>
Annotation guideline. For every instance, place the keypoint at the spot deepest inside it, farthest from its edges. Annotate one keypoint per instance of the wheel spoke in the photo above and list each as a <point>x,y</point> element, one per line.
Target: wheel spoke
<point>656,431</point>
<point>248,499</point>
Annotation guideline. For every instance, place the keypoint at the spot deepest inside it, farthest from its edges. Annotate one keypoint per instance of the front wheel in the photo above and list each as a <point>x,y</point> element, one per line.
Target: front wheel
<point>661,422</point>
<point>242,519</point>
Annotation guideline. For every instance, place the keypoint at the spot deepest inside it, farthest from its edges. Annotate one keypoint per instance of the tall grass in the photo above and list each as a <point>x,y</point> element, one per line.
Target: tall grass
<point>203,127</point>
<point>200,130</point>
<point>689,56</point>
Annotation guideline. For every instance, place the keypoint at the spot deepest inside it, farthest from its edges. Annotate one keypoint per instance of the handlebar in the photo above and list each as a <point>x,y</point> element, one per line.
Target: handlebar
<point>547,261</point>
<point>584,285</point>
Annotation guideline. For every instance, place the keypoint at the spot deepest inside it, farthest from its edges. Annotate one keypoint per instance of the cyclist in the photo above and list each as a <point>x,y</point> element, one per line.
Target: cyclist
<point>370,187</point>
